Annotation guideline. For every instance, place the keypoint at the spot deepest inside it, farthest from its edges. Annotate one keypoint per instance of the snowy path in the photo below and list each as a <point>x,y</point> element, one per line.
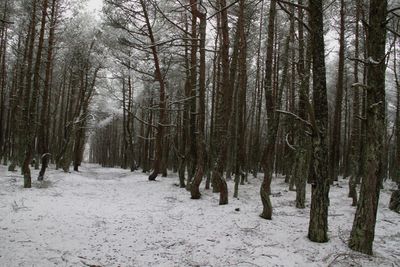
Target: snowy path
<point>111,217</point>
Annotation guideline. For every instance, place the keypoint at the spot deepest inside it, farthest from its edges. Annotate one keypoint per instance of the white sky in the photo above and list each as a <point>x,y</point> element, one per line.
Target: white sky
<point>95,5</point>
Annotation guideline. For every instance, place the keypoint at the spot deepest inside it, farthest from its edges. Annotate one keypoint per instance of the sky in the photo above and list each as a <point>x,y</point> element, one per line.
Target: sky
<point>95,5</point>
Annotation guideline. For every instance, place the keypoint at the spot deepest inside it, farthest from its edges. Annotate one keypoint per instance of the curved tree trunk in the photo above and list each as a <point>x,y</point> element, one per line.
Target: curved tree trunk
<point>267,158</point>
<point>162,105</point>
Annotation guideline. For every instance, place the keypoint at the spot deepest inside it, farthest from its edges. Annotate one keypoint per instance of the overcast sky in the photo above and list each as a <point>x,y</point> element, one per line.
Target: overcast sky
<point>95,5</point>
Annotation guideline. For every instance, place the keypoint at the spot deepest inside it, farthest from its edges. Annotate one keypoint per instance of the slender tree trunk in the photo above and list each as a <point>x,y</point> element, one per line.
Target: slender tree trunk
<point>355,129</point>
<point>241,97</point>
<point>44,123</point>
<point>267,158</point>
<point>396,167</point>
<point>3,50</point>
<point>162,105</point>
<point>28,102</point>
<point>224,112</point>
<point>337,120</point>
<point>201,159</point>
<point>302,153</point>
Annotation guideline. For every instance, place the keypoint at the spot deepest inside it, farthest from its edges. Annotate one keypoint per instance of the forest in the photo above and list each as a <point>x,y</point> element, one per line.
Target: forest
<point>238,118</point>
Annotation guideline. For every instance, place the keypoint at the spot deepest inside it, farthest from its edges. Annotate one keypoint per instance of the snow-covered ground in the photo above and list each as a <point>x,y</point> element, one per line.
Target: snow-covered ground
<point>111,217</point>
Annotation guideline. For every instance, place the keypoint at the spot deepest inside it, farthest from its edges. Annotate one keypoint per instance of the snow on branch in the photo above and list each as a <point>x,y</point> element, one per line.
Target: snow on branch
<point>288,143</point>
<point>307,123</point>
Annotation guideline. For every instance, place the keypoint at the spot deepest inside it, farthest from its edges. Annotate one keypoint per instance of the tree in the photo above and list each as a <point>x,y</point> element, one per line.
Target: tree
<point>30,100</point>
<point>201,157</point>
<point>318,227</point>
<point>267,158</point>
<point>44,122</point>
<point>224,108</point>
<point>337,120</point>
<point>363,230</point>
<point>355,127</point>
<point>303,148</point>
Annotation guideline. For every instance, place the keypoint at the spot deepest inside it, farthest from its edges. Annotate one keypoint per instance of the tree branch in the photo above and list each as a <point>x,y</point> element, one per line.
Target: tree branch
<point>307,123</point>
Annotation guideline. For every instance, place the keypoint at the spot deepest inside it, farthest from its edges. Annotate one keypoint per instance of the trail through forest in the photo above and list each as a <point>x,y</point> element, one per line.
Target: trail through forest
<point>112,217</point>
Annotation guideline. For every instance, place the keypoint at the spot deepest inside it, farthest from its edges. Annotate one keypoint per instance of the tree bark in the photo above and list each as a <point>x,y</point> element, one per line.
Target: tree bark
<point>162,104</point>
<point>225,109</point>
<point>337,120</point>
<point>29,100</point>
<point>201,159</point>
<point>363,231</point>
<point>44,123</point>
<point>318,227</point>
<point>267,158</point>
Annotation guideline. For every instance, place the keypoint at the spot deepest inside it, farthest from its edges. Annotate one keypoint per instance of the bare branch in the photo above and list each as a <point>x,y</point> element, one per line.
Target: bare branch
<point>6,22</point>
<point>292,15</point>
<point>293,4</point>
<point>307,123</point>
<point>288,143</point>
<point>219,11</point>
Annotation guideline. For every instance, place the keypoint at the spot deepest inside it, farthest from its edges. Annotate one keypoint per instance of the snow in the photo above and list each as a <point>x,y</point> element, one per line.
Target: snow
<point>111,217</point>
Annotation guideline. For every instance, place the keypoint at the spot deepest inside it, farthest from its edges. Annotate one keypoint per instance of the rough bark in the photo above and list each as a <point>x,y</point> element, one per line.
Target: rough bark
<point>201,159</point>
<point>28,110</point>
<point>267,158</point>
<point>363,231</point>
<point>225,109</point>
<point>355,127</point>
<point>44,122</point>
<point>241,99</point>
<point>162,104</point>
<point>318,226</point>
<point>303,148</point>
<point>337,120</point>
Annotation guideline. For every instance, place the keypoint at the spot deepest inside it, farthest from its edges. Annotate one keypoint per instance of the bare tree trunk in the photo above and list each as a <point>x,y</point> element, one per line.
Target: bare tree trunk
<point>302,153</point>
<point>241,98</point>
<point>337,120</point>
<point>162,105</point>
<point>28,120</point>
<point>3,50</point>
<point>44,123</point>
<point>267,158</point>
<point>355,129</point>
<point>201,159</point>
<point>363,231</point>
<point>224,112</point>
<point>318,227</point>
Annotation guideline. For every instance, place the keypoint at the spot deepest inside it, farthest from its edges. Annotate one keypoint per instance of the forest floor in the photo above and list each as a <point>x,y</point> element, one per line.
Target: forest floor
<point>111,217</point>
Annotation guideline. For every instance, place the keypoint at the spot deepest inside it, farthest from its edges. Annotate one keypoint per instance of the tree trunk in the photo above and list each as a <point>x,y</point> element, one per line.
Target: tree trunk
<point>318,226</point>
<point>44,123</point>
<point>355,129</point>
<point>201,159</point>
<point>225,108</point>
<point>337,120</point>
<point>162,105</point>
<point>28,103</point>
<point>302,153</point>
<point>241,98</point>
<point>363,231</point>
<point>267,158</point>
